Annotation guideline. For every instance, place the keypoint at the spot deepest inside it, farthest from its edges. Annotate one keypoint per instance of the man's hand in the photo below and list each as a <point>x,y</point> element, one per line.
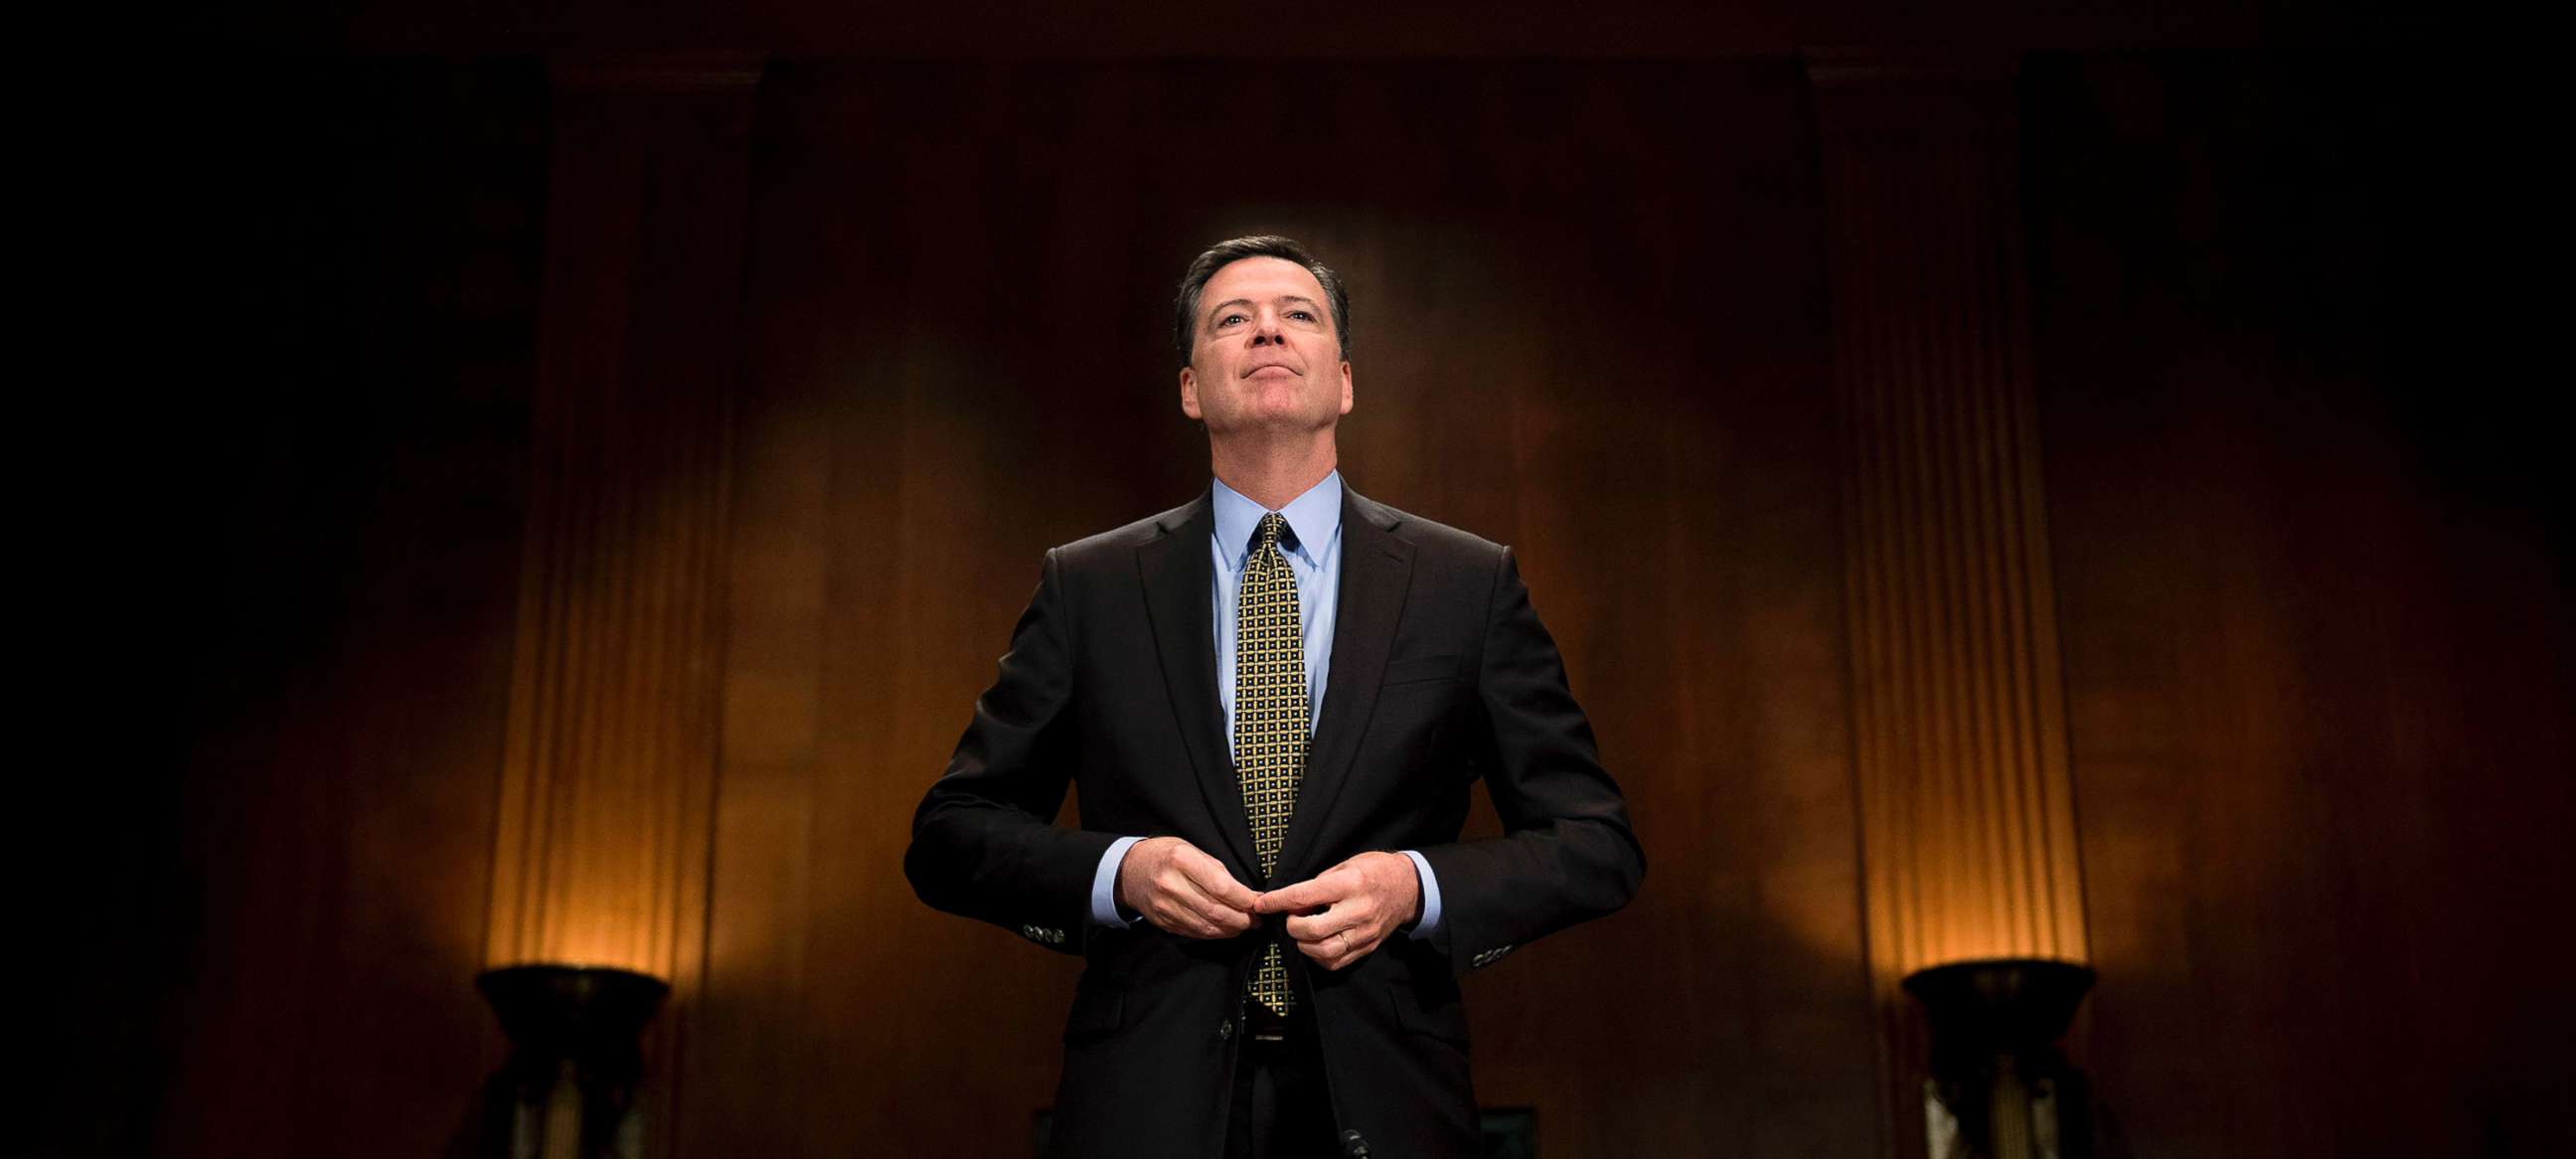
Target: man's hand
<point>1344,912</point>
<point>1183,890</point>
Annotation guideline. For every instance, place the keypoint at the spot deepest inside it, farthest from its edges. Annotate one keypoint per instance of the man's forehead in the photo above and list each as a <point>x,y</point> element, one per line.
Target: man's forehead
<point>1262,277</point>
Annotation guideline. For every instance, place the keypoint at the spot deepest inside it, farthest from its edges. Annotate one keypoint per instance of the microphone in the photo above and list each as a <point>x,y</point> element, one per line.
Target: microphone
<point>1354,1147</point>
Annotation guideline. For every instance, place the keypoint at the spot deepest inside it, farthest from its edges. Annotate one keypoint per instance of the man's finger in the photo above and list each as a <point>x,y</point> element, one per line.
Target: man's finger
<point>1225,920</point>
<point>1304,895</point>
<point>1200,918</point>
<point>1220,919</point>
<point>1317,927</point>
<point>1333,953</point>
<point>1215,882</point>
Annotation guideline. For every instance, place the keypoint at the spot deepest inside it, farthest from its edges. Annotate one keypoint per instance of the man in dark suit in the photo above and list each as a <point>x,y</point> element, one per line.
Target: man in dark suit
<point>1274,698</point>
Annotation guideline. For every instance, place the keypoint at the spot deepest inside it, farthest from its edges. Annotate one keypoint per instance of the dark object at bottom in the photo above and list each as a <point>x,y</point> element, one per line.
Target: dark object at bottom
<point>1507,1133</point>
<point>1995,1063</point>
<point>1282,1109</point>
<point>575,1061</point>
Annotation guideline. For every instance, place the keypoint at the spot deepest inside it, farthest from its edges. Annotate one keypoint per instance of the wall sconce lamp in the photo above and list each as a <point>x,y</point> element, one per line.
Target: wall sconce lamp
<point>1999,1088</point>
<point>576,1062</point>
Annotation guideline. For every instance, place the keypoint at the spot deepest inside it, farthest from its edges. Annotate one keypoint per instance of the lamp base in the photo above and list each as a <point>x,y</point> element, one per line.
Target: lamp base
<point>1999,1088</point>
<point>568,1090</point>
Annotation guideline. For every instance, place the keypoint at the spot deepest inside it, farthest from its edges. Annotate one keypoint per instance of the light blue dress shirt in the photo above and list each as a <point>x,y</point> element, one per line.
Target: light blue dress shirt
<point>1315,557</point>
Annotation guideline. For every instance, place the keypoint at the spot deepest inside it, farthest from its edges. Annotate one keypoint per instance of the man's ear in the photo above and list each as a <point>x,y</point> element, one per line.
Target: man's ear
<point>1190,395</point>
<point>1346,388</point>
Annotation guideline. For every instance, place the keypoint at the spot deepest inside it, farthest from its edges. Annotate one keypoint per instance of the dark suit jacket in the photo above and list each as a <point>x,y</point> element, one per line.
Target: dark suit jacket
<point>1441,675</point>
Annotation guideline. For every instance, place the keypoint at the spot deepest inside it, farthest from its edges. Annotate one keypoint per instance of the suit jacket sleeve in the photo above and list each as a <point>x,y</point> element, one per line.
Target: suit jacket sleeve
<point>984,844</point>
<point>1567,854</point>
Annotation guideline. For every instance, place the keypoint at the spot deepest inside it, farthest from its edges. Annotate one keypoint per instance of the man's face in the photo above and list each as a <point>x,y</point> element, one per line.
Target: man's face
<point>1266,356</point>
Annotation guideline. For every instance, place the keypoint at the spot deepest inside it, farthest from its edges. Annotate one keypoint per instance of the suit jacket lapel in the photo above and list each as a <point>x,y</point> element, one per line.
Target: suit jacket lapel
<point>1177,575</point>
<point>1377,572</point>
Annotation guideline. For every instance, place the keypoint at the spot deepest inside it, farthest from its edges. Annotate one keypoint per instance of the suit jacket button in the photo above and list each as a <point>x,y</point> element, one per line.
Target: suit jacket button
<point>1225,1029</point>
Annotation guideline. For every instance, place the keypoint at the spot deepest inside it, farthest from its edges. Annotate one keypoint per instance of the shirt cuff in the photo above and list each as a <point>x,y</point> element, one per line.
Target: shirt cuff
<point>1430,923</point>
<point>1104,885</point>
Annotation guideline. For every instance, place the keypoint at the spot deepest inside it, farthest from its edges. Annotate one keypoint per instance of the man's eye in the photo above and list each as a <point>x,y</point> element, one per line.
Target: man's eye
<point>1229,319</point>
<point>1301,315</point>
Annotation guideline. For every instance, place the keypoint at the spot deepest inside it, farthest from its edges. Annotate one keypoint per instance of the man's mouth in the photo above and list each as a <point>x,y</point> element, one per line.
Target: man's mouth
<point>1282,367</point>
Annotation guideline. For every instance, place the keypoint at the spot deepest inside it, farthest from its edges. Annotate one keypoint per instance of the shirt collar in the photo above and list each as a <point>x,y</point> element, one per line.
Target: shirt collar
<point>1314,517</point>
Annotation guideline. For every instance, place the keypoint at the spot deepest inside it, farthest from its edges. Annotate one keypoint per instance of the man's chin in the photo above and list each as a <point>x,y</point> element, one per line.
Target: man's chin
<point>1280,424</point>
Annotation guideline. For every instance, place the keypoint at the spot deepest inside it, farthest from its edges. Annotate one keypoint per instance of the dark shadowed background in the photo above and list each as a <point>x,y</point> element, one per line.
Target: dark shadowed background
<point>876,326</point>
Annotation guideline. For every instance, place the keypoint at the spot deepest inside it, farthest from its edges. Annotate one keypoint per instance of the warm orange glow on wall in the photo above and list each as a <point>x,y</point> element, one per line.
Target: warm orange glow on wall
<point>1967,813</point>
<point>601,850</point>
<point>605,816</point>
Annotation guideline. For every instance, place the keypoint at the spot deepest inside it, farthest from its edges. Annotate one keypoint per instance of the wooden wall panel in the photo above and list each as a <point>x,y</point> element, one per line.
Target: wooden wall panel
<point>605,818</point>
<point>1633,396</point>
<point>353,465</point>
<point>1967,810</point>
<point>2316,649</point>
<point>600,849</point>
<point>2316,621</point>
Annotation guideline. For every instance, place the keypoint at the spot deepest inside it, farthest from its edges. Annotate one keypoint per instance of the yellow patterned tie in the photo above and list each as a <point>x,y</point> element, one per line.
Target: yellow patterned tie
<point>1269,718</point>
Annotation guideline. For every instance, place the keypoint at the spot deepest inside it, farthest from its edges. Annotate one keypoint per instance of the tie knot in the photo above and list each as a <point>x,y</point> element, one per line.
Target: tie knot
<point>1273,532</point>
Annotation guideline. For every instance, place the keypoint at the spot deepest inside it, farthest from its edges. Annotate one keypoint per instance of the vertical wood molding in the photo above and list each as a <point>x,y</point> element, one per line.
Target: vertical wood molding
<point>1959,749</point>
<point>601,848</point>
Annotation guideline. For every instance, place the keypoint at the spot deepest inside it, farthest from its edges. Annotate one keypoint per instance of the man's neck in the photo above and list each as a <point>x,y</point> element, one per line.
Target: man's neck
<point>1271,472</point>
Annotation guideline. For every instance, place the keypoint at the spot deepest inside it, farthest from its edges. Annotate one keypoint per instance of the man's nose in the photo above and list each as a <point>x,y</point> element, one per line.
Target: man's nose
<point>1265,329</point>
